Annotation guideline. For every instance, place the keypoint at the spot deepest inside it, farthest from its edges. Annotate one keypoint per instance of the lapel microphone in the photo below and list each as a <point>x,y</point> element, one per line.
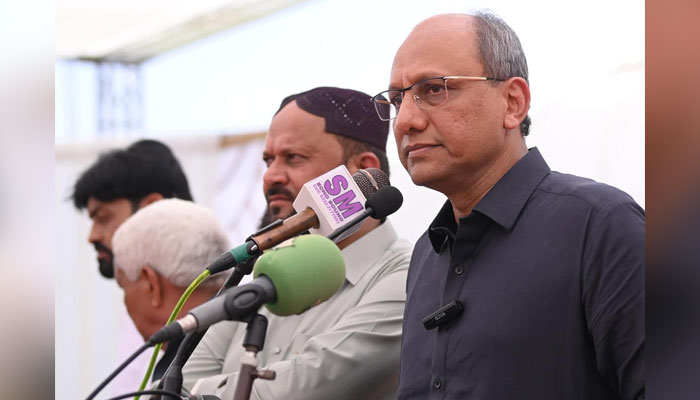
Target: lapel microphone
<point>443,315</point>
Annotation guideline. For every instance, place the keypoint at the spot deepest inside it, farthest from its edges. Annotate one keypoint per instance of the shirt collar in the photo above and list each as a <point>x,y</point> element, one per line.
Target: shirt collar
<point>363,253</point>
<point>504,201</point>
<point>443,227</point>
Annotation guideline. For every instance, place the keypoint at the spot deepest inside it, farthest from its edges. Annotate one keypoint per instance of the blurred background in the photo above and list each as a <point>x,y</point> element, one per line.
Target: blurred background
<point>206,77</point>
<point>26,190</point>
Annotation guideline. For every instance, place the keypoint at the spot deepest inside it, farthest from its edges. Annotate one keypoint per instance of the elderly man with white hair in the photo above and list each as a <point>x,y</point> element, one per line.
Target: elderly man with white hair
<point>158,252</point>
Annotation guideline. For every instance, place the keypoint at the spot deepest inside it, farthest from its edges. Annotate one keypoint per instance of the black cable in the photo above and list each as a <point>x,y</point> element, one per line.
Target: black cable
<point>119,369</point>
<point>183,352</point>
<point>172,378</point>
<point>140,392</point>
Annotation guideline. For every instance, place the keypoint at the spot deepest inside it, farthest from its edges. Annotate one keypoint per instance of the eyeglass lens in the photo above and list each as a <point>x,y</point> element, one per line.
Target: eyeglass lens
<point>430,93</point>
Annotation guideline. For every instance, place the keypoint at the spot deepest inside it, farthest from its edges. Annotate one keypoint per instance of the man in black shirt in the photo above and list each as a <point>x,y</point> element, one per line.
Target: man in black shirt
<point>529,284</point>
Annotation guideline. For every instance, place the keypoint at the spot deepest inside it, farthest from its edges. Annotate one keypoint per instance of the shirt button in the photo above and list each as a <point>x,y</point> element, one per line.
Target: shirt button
<point>459,270</point>
<point>437,383</point>
<point>277,350</point>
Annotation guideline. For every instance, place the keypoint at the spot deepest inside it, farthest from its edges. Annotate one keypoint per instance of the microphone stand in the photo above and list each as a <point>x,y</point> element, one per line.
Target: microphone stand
<point>257,326</point>
<point>172,378</point>
<point>253,343</point>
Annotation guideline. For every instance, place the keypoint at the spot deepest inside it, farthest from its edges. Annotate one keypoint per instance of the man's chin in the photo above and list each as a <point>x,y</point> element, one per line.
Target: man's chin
<point>282,212</point>
<point>427,177</point>
<point>272,214</point>
<point>106,268</point>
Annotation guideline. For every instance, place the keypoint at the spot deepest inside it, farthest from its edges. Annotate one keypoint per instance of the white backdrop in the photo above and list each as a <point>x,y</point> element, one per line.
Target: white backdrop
<point>587,78</point>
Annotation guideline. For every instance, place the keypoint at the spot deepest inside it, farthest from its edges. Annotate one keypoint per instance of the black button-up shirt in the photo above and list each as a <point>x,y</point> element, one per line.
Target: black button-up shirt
<point>549,269</point>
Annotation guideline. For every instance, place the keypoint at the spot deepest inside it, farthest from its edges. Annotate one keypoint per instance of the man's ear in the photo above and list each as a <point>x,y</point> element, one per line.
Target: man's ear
<point>150,198</point>
<point>362,161</point>
<point>154,286</point>
<point>517,94</point>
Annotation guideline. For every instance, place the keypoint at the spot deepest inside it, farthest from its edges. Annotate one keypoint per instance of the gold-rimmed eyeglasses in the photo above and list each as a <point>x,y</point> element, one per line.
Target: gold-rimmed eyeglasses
<point>431,92</point>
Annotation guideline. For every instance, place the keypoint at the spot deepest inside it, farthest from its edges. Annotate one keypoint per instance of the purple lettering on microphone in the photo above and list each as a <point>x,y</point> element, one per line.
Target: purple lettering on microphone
<point>335,185</point>
<point>345,206</point>
<point>337,197</point>
<point>321,192</point>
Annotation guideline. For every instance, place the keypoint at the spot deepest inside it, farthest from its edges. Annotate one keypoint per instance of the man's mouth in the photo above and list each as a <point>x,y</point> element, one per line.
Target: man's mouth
<point>417,149</point>
<point>278,197</point>
<point>103,252</point>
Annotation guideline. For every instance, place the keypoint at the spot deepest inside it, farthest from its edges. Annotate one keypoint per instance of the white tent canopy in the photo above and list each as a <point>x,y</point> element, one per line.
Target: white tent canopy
<point>134,31</point>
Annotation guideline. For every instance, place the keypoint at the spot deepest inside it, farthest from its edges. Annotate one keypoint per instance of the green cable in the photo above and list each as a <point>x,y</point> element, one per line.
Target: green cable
<point>173,315</point>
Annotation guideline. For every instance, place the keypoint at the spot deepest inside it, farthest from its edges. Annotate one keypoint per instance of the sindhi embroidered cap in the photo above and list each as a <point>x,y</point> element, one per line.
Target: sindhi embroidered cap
<point>347,112</point>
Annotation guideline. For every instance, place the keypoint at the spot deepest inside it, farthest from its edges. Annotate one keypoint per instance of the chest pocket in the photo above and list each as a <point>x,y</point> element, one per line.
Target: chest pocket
<point>285,349</point>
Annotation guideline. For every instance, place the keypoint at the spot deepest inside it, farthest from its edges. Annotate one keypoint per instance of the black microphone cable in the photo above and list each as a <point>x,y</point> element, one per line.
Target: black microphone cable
<point>172,378</point>
<point>154,340</point>
<point>119,369</point>
<point>140,392</point>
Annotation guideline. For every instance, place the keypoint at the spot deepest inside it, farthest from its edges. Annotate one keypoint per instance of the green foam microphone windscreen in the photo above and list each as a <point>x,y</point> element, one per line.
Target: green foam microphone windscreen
<point>305,270</point>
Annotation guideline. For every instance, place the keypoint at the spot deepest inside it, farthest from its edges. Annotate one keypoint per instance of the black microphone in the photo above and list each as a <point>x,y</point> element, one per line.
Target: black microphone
<point>385,202</point>
<point>380,205</point>
<point>443,315</point>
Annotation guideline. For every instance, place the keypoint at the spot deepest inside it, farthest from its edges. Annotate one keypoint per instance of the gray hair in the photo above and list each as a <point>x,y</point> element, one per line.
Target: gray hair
<point>500,51</point>
<point>177,238</point>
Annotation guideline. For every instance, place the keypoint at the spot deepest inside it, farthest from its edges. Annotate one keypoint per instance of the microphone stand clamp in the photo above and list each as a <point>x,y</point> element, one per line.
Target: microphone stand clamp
<point>253,343</point>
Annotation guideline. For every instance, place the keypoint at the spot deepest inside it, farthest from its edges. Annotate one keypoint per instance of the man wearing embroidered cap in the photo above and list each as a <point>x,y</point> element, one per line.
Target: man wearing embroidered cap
<point>300,132</point>
<point>347,347</point>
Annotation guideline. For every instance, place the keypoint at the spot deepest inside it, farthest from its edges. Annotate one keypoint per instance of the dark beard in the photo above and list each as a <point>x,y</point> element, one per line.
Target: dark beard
<point>106,266</point>
<point>268,217</point>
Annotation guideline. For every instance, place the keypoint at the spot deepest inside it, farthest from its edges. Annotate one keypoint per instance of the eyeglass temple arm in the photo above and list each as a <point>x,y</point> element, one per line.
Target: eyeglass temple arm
<point>474,78</point>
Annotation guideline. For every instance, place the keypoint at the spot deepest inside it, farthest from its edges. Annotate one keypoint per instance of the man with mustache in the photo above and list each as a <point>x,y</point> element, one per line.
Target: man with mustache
<point>348,346</point>
<point>121,182</point>
<point>529,283</point>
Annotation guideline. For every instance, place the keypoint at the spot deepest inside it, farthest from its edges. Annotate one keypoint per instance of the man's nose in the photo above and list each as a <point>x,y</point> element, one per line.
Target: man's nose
<point>275,175</point>
<point>409,117</point>
<point>95,234</point>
